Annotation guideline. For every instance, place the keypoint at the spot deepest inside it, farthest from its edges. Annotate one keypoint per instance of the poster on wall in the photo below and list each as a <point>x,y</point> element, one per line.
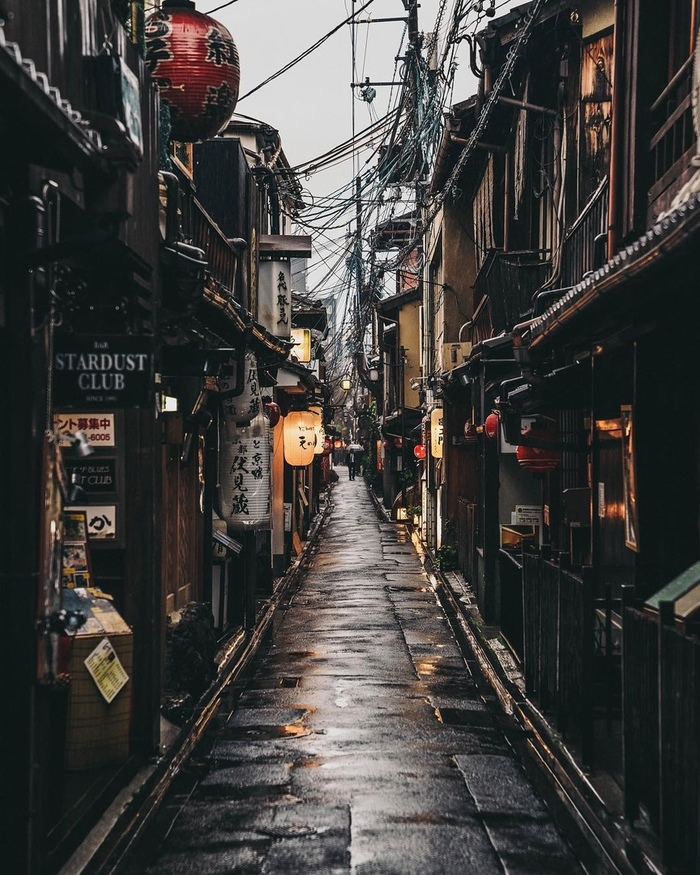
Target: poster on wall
<point>76,555</point>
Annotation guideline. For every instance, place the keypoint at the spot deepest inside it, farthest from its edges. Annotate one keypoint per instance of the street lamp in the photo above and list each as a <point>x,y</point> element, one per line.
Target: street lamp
<point>346,384</point>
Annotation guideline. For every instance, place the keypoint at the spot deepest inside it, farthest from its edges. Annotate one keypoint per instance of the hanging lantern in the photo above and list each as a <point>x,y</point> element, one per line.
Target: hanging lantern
<point>299,438</point>
<point>436,433</point>
<point>398,442</point>
<point>419,451</point>
<point>327,446</point>
<point>536,459</point>
<point>319,449</point>
<point>242,406</point>
<point>317,412</point>
<point>272,409</point>
<point>244,474</point>
<point>337,444</point>
<point>491,424</point>
<point>194,62</point>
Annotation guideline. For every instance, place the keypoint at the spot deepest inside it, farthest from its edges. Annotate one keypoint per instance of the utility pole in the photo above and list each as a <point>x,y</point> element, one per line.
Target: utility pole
<point>411,6</point>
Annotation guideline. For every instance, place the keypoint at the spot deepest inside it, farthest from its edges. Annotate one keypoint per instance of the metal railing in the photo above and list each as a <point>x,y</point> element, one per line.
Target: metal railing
<point>506,285</point>
<point>673,142</point>
<point>558,644</point>
<point>221,256</point>
<point>580,251</point>
<point>661,723</point>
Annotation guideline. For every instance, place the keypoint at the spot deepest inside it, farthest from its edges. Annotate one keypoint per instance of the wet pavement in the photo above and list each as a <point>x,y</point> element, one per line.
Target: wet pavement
<point>360,742</point>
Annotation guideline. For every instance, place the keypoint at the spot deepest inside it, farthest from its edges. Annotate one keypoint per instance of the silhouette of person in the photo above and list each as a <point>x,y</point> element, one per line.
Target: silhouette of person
<point>351,464</point>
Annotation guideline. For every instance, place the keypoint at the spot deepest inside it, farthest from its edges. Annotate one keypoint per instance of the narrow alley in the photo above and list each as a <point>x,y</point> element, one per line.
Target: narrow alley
<point>360,742</point>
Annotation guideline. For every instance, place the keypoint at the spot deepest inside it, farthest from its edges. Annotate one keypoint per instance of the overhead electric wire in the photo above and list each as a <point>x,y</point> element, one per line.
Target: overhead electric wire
<point>530,17</point>
<point>306,52</point>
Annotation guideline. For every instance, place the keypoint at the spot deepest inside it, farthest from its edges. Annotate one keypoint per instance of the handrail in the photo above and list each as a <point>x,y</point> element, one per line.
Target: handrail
<point>672,84</point>
<point>592,203</point>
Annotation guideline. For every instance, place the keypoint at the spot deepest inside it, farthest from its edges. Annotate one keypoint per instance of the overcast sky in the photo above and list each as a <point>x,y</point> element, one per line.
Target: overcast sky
<point>312,104</point>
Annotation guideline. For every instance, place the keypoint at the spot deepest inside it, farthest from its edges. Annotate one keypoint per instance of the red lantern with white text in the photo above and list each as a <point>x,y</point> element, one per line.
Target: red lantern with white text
<point>419,451</point>
<point>538,460</point>
<point>491,424</point>
<point>194,62</point>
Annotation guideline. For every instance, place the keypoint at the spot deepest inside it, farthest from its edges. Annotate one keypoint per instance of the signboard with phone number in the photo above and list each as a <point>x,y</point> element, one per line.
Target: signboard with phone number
<point>97,427</point>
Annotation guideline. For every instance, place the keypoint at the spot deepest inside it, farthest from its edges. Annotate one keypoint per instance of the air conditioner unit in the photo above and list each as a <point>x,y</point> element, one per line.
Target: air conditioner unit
<point>455,354</point>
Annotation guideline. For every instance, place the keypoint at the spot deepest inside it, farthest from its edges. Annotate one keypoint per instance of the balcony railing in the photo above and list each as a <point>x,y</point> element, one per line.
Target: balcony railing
<point>583,249</point>
<point>673,142</point>
<point>504,288</point>
<point>222,257</point>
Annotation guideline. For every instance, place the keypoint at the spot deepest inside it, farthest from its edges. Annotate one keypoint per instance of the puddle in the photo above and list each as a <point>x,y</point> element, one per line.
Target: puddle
<point>267,733</point>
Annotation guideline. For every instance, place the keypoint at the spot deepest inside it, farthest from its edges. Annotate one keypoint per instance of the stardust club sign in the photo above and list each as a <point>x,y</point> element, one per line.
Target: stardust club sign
<point>99,372</point>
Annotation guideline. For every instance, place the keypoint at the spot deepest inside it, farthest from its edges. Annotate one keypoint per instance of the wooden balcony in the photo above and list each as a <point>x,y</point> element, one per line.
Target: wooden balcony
<point>584,245</point>
<point>198,229</point>
<point>504,289</point>
<point>673,141</point>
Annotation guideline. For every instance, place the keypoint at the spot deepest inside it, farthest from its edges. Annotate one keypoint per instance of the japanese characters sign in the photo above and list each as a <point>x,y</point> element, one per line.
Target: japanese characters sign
<point>244,475</point>
<point>436,433</point>
<point>101,521</point>
<point>242,406</point>
<point>98,427</point>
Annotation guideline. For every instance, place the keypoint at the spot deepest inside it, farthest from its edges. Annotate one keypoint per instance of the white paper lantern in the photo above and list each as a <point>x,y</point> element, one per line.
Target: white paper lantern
<point>243,407</point>
<point>299,438</point>
<point>244,474</point>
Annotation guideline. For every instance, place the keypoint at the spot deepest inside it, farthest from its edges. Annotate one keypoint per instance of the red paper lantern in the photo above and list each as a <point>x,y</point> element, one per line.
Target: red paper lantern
<point>194,62</point>
<point>327,447</point>
<point>491,424</point>
<point>398,442</point>
<point>536,459</point>
<point>419,451</point>
<point>272,409</point>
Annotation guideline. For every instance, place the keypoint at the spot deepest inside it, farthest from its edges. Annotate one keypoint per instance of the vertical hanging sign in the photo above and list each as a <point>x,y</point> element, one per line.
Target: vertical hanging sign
<point>436,433</point>
<point>244,474</point>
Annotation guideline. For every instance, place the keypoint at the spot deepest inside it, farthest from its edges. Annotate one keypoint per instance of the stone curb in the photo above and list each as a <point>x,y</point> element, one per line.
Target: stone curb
<point>604,841</point>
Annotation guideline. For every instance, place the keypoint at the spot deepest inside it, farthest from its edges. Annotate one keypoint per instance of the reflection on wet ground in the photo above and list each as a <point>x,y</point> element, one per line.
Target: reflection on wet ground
<point>361,742</point>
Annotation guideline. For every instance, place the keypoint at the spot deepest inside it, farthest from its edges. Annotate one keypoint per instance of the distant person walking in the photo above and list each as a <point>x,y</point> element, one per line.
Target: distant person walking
<point>351,460</point>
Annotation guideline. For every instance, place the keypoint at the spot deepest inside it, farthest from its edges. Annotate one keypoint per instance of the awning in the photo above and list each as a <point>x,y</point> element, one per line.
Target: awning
<point>662,249</point>
<point>401,424</point>
<point>53,128</point>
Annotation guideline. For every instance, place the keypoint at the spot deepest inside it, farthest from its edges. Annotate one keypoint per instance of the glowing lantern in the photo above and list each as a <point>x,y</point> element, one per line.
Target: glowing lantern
<point>273,413</point>
<point>299,438</point>
<point>338,444</point>
<point>194,61</point>
<point>244,474</point>
<point>436,433</point>
<point>491,424</point>
<point>346,385</point>
<point>419,451</point>
<point>537,459</point>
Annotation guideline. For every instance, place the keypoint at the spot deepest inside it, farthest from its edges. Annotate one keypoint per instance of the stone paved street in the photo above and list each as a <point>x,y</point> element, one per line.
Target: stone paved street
<point>360,743</point>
